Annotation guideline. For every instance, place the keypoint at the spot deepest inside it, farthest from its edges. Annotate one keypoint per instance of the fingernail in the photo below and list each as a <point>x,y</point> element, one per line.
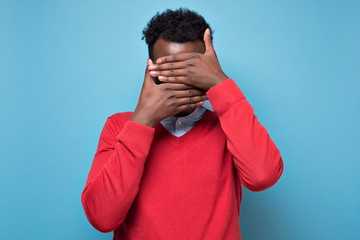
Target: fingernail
<point>151,67</point>
<point>153,73</point>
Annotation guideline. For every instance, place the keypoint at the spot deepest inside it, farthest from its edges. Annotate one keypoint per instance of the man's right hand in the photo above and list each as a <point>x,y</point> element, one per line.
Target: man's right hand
<point>157,102</point>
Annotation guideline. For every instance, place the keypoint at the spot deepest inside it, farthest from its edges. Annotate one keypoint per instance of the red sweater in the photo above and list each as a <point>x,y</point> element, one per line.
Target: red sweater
<point>145,183</point>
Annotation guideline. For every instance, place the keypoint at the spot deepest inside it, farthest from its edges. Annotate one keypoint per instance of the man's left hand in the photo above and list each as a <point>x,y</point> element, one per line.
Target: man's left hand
<point>202,71</point>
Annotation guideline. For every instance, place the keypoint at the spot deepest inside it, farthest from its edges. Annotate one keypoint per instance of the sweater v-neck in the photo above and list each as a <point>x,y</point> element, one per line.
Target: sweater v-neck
<point>163,132</point>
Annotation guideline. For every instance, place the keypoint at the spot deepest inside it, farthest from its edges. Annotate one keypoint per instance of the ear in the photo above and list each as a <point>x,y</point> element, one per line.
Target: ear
<point>209,48</point>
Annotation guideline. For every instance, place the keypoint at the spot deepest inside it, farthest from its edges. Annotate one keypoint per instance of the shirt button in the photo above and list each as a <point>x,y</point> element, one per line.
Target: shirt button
<point>179,122</point>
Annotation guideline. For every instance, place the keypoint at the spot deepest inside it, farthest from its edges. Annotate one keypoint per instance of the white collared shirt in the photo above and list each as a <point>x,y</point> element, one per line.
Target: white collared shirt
<point>178,126</point>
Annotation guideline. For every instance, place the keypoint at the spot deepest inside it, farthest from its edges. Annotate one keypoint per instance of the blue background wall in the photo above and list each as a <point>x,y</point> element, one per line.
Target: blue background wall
<point>67,65</point>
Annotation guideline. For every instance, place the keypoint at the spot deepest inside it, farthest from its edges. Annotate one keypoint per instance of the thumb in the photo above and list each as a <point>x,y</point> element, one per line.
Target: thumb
<point>148,79</point>
<point>209,47</point>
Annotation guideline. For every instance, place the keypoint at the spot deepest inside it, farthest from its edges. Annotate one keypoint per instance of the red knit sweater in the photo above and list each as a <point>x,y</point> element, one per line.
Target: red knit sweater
<point>145,183</point>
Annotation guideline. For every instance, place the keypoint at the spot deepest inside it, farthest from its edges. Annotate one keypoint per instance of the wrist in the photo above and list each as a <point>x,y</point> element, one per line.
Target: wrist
<point>142,119</point>
<point>217,80</point>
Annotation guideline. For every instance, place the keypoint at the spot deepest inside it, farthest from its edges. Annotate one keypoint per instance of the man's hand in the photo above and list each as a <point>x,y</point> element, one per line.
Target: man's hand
<point>195,69</point>
<point>158,102</point>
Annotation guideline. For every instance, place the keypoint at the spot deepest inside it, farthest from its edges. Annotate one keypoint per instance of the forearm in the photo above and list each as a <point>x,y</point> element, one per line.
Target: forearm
<point>115,176</point>
<point>256,157</point>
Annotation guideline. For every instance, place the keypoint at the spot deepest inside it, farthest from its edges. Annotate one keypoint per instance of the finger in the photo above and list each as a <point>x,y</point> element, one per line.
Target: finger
<point>209,47</point>
<point>168,66</point>
<point>175,79</point>
<point>178,86</point>
<point>174,72</point>
<point>189,106</point>
<point>190,100</point>
<point>149,63</point>
<point>148,78</point>
<point>176,58</point>
<point>189,93</point>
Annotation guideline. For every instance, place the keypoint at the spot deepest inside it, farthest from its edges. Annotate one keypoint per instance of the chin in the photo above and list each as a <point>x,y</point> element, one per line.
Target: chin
<point>185,113</point>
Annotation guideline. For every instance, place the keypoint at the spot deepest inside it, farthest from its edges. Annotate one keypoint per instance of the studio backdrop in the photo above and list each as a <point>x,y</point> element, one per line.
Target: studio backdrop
<point>65,66</point>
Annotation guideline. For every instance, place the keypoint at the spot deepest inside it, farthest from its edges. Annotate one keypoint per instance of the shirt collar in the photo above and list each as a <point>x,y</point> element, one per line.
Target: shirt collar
<point>195,116</point>
<point>208,106</point>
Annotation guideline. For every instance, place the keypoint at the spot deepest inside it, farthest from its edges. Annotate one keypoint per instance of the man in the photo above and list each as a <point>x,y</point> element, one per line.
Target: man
<point>173,168</point>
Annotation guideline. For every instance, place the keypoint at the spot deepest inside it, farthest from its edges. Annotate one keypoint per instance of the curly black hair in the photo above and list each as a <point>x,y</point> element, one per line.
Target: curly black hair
<point>181,25</point>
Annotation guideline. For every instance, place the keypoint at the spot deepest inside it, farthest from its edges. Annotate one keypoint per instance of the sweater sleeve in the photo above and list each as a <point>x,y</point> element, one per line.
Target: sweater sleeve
<point>256,157</point>
<point>115,173</point>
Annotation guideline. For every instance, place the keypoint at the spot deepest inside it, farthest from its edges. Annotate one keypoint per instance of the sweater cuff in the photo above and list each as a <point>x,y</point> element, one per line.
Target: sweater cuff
<point>136,135</point>
<point>223,95</point>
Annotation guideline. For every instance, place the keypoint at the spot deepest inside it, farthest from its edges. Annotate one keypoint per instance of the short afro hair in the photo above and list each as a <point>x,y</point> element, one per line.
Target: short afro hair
<point>181,25</point>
